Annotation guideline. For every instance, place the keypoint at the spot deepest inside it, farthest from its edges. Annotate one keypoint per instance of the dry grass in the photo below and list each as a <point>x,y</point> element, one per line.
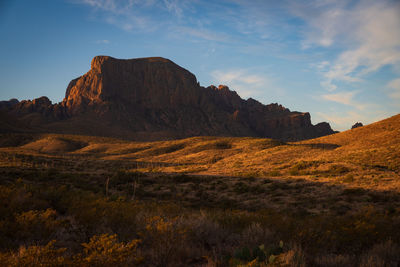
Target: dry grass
<point>337,173</point>
<point>350,178</point>
<point>367,157</point>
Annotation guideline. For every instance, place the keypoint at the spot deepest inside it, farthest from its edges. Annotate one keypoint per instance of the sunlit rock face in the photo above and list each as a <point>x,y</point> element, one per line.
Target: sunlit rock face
<point>154,98</point>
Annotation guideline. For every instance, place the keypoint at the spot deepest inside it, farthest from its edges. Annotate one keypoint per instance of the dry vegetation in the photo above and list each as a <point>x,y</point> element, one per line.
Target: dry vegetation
<point>216,201</point>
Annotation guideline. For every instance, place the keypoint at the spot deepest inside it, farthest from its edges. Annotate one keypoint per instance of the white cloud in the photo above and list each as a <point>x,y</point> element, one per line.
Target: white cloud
<point>202,34</point>
<point>104,41</point>
<point>323,65</point>
<point>114,6</point>
<point>152,15</point>
<point>345,98</point>
<point>128,16</point>
<point>174,6</point>
<point>369,30</point>
<point>240,80</point>
<point>328,86</point>
<point>394,85</point>
<point>343,120</point>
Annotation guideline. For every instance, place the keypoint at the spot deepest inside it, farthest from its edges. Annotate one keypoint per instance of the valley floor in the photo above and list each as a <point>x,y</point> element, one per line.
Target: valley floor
<point>202,201</point>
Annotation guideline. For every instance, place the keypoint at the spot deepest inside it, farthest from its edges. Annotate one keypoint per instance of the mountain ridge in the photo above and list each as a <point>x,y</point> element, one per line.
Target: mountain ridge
<point>154,98</point>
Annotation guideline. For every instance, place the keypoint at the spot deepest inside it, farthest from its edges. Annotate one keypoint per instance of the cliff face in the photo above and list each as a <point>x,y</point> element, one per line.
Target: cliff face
<point>150,83</point>
<point>153,98</point>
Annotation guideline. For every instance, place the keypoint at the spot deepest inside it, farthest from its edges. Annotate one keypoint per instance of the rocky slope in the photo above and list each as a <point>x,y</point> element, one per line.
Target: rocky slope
<point>153,98</point>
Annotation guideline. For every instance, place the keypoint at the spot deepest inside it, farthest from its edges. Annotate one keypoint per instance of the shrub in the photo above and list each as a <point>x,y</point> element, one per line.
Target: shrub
<point>292,258</point>
<point>299,167</point>
<point>37,225</point>
<point>164,238</point>
<point>332,260</point>
<point>348,178</point>
<point>105,250</point>
<point>46,256</point>
<point>255,235</point>
<point>384,254</point>
<point>223,144</point>
<point>338,169</point>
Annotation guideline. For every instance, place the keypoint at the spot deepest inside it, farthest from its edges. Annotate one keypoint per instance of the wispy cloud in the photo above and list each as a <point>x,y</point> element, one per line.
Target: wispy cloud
<point>368,31</point>
<point>202,33</point>
<point>114,6</point>
<point>324,21</point>
<point>129,15</point>
<point>174,6</point>
<point>343,120</point>
<point>167,16</point>
<point>104,41</point>
<point>241,80</point>
<point>394,87</point>
<point>345,98</point>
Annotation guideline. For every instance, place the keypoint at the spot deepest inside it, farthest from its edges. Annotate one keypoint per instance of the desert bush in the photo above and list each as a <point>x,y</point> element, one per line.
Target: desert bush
<point>97,214</point>
<point>223,144</point>
<point>46,256</point>
<point>294,257</point>
<point>257,256</point>
<point>255,234</point>
<point>123,177</point>
<point>300,167</point>
<point>105,250</point>
<point>37,225</point>
<point>385,254</point>
<point>164,239</point>
<point>210,237</point>
<point>333,260</point>
<point>337,169</point>
<point>348,178</point>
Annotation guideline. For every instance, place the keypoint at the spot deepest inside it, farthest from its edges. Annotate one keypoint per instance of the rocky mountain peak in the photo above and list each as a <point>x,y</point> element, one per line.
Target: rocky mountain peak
<point>150,82</point>
<point>154,98</point>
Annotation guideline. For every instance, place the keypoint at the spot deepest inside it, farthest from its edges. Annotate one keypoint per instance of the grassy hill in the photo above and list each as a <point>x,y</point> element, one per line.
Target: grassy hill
<point>364,156</point>
<point>332,200</point>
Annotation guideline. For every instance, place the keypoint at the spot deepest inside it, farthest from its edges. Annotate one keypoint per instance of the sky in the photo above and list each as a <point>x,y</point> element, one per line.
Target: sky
<point>338,60</point>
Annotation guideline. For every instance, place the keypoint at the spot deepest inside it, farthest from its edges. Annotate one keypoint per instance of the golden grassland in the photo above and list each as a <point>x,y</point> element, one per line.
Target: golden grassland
<point>366,157</point>
<point>332,201</point>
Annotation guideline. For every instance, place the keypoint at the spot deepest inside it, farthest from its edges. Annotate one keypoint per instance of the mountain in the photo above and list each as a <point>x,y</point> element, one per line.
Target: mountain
<point>154,98</point>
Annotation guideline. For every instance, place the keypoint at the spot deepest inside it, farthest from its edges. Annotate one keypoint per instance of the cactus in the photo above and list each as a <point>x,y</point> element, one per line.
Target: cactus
<point>271,259</point>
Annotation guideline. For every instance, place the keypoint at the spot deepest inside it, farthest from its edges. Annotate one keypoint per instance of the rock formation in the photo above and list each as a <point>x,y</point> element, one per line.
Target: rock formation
<point>153,98</point>
<point>7,105</point>
<point>356,125</point>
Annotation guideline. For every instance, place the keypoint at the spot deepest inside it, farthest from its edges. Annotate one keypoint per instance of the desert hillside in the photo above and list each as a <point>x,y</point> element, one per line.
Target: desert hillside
<point>329,200</point>
<point>364,156</point>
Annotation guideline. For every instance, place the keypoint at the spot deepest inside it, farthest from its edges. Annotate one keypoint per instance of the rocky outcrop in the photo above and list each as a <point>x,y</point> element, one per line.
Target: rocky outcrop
<point>7,105</point>
<point>356,125</point>
<point>153,98</point>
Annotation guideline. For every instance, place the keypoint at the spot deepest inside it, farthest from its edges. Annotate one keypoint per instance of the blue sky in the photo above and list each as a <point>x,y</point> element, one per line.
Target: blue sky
<point>338,60</point>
